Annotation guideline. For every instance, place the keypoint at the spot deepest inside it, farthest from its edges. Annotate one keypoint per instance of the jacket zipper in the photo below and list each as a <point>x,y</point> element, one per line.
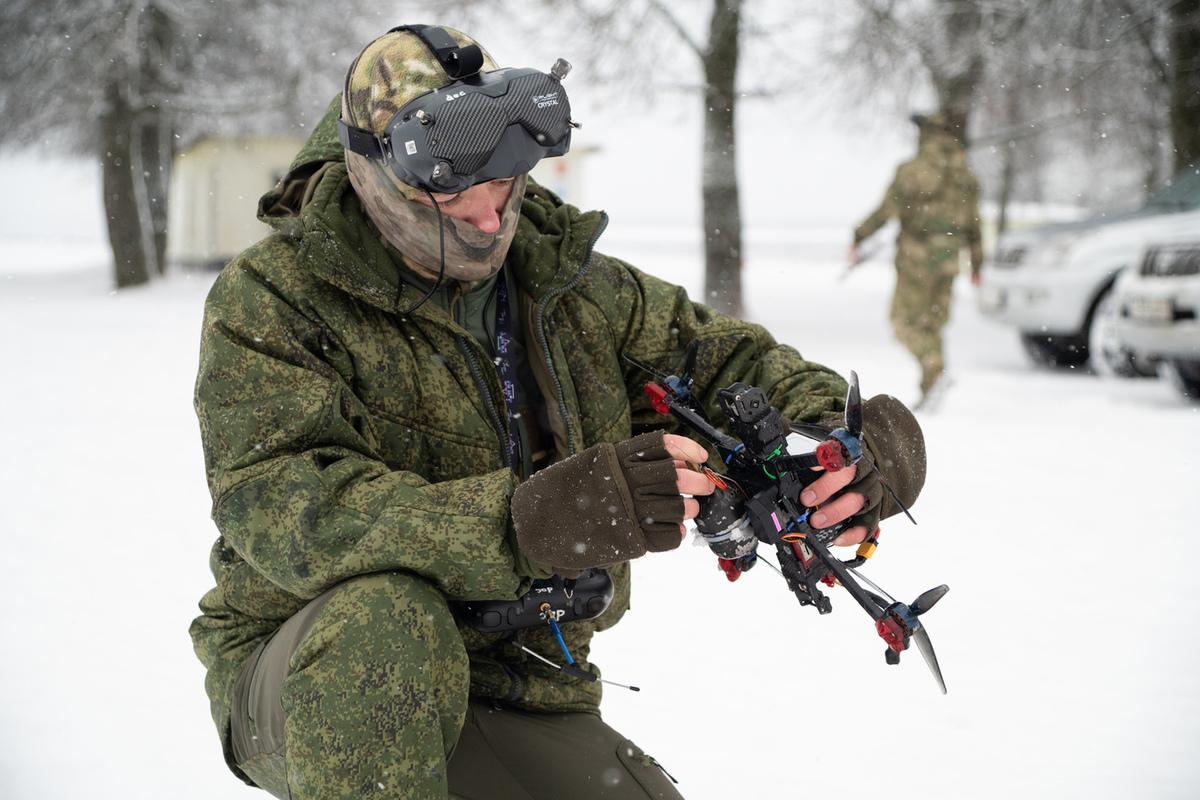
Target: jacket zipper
<point>541,328</point>
<point>486,393</point>
<point>518,682</point>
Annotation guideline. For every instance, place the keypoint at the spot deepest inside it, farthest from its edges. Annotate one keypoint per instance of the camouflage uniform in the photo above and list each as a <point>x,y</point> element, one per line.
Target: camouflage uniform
<point>356,454</point>
<point>936,198</point>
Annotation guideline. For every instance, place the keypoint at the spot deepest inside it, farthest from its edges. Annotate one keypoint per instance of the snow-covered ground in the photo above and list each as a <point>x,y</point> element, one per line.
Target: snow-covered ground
<point>1060,509</point>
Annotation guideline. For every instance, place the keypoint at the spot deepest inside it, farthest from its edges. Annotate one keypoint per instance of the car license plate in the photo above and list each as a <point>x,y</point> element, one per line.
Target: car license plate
<point>1151,309</point>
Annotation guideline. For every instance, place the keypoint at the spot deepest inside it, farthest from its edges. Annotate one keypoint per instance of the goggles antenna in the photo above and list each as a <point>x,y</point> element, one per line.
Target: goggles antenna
<point>560,69</point>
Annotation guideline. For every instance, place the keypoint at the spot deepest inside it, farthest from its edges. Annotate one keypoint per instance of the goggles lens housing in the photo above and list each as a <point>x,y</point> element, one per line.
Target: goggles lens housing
<point>491,125</point>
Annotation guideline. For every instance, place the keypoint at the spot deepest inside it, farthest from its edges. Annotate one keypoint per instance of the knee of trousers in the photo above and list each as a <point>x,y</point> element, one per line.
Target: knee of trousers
<point>384,631</point>
<point>372,672</point>
<point>377,690</point>
<point>383,667</point>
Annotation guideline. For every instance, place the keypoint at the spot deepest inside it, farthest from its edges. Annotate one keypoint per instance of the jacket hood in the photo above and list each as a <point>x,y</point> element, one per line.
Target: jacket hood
<point>315,204</point>
<point>290,195</point>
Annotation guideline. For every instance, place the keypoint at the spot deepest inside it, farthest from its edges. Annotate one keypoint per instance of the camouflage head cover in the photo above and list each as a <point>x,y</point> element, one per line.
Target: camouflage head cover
<point>388,74</point>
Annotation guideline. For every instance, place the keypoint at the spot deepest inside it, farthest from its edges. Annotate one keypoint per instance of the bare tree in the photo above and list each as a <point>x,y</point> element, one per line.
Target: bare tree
<point>1078,86</point>
<point>1184,80</point>
<point>719,179</point>
<point>937,48</point>
<point>695,46</point>
<point>640,31</point>
<point>127,80</point>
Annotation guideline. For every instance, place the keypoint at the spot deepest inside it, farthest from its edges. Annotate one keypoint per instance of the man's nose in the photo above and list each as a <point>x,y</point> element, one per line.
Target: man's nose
<point>483,204</point>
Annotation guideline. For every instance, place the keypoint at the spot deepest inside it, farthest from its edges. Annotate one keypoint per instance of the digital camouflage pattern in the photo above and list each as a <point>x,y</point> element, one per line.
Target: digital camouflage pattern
<point>375,695</point>
<point>935,196</point>
<point>344,440</point>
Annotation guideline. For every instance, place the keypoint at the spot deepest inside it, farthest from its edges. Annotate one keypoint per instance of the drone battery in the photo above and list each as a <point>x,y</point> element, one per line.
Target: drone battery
<point>723,523</point>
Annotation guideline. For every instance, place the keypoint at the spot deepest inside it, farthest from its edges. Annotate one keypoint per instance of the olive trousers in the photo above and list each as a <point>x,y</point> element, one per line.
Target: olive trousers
<point>920,309</point>
<point>364,694</point>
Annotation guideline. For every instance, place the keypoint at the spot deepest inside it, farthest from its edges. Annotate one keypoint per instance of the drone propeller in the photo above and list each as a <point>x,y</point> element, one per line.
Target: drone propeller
<point>852,418</point>
<point>928,599</point>
<point>898,624</point>
<point>926,648</point>
<point>854,409</point>
<point>813,431</point>
<point>689,361</point>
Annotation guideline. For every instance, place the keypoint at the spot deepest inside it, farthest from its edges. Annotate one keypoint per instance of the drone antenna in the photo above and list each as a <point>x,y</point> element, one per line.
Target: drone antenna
<point>892,492</point>
<point>644,367</point>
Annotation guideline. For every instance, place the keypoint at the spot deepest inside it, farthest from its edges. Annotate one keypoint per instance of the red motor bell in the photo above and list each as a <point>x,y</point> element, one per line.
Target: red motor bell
<point>730,568</point>
<point>658,397</point>
<point>832,455</point>
<point>892,632</point>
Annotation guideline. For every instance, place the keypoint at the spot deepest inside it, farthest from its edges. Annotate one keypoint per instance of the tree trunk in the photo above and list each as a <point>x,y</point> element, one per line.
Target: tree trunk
<point>1008,172</point>
<point>957,79</point>
<point>1151,133</point>
<point>156,131</point>
<point>1185,82</point>
<point>1007,179</point>
<point>117,132</point>
<point>156,153</point>
<point>722,210</point>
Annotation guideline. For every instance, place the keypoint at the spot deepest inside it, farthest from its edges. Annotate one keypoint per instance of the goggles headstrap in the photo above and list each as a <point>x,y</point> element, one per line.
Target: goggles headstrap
<point>458,62</point>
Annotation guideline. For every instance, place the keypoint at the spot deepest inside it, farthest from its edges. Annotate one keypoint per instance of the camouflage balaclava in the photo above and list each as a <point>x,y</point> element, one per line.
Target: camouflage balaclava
<point>388,74</point>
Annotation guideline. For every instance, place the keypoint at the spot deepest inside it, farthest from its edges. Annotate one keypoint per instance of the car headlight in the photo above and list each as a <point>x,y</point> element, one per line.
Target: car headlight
<point>1172,261</point>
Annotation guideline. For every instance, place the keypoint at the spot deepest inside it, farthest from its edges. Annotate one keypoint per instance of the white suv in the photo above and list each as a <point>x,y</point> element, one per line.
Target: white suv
<point>1157,304</point>
<point>1054,283</point>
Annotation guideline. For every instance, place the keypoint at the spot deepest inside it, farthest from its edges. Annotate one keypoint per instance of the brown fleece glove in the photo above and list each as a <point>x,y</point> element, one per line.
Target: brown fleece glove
<point>606,504</point>
<point>896,445</point>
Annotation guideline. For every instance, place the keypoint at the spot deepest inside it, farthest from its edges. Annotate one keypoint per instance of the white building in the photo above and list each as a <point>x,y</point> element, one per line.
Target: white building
<point>215,186</point>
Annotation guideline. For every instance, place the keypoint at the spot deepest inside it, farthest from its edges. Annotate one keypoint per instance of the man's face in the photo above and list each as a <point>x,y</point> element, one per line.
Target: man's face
<point>482,205</point>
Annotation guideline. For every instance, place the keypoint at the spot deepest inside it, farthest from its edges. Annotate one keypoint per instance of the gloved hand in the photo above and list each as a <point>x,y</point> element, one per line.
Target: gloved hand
<point>610,502</point>
<point>894,443</point>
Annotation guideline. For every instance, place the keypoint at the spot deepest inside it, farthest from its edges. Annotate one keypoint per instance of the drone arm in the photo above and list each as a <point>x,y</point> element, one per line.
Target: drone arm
<point>843,575</point>
<point>665,401</point>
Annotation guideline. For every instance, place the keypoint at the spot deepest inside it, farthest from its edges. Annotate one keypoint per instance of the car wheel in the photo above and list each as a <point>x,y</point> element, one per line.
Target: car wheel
<point>1054,351</point>
<point>1105,353</point>
<point>1184,376</point>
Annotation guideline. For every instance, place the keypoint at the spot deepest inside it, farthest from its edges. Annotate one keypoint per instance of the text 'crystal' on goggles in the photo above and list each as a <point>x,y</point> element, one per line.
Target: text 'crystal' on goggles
<point>481,127</point>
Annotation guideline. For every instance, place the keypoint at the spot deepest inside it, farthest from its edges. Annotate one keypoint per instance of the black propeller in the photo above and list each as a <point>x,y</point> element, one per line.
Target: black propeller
<point>926,648</point>
<point>854,411</point>
<point>928,599</point>
<point>689,361</point>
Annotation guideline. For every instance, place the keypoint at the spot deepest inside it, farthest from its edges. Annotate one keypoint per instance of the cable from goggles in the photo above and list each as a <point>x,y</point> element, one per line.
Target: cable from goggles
<point>437,207</point>
<point>482,126</point>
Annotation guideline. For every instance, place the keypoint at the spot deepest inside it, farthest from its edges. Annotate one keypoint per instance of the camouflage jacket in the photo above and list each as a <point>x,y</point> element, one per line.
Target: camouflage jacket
<point>343,438</point>
<point>936,198</point>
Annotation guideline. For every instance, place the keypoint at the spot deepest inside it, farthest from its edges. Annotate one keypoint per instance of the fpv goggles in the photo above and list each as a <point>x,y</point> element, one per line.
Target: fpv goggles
<point>481,127</point>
